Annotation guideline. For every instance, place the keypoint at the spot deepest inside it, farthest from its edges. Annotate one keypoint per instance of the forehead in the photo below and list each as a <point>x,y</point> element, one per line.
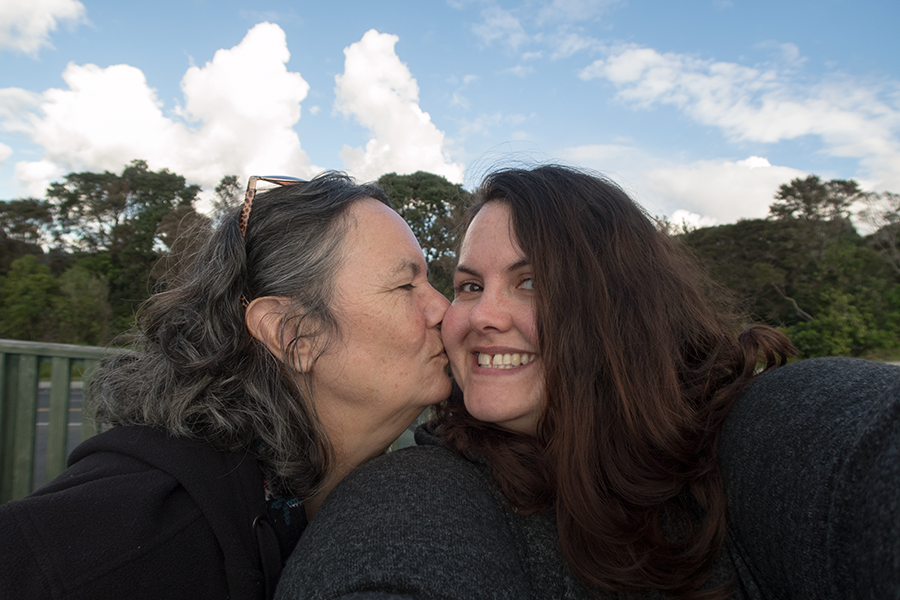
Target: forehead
<point>491,231</point>
<point>378,239</point>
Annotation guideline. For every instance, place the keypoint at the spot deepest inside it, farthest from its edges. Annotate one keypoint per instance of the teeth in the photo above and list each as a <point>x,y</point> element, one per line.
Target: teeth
<point>504,361</point>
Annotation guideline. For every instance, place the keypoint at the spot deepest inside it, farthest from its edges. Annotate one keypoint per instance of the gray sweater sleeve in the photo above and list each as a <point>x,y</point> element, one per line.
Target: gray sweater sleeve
<point>811,460</point>
<point>405,525</point>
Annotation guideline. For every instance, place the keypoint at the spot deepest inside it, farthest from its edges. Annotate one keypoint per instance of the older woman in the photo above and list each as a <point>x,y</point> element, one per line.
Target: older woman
<point>582,458</point>
<point>303,340</point>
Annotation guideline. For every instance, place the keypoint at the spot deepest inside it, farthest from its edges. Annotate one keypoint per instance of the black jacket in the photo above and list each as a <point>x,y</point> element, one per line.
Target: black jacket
<point>141,514</point>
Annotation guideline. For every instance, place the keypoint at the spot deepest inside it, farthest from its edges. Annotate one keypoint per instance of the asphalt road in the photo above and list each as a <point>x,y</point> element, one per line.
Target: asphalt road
<point>40,444</point>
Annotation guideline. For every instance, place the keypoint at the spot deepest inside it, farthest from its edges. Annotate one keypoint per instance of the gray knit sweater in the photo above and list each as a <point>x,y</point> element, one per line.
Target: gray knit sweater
<point>811,458</point>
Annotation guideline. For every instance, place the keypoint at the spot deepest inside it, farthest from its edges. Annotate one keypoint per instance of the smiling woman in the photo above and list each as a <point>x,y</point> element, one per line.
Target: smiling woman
<point>577,456</point>
<point>303,339</point>
<point>491,328</point>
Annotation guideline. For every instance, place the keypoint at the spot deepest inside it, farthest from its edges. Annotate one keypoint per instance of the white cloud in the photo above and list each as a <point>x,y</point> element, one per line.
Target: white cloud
<point>379,92</point>
<point>692,220</point>
<point>5,152</point>
<point>852,118</point>
<point>574,10</point>
<point>110,116</point>
<point>500,25</point>
<point>26,25</point>
<point>566,44</point>
<point>719,190</point>
<point>520,71</point>
<point>716,191</point>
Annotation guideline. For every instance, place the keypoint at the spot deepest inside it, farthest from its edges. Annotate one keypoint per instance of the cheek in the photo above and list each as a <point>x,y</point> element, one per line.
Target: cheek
<point>525,321</point>
<point>454,328</point>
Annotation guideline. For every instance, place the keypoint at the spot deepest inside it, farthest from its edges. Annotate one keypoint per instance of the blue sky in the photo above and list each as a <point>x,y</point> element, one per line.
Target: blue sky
<point>700,109</point>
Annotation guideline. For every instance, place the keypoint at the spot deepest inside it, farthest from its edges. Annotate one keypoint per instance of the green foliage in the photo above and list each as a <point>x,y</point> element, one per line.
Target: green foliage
<point>814,199</point>
<point>882,213</point>
<point>36,306</point>
<point>82,313</point>
<point>27,220</point>
<point>432,206</point>
<point>808,271</point>
<point>118,217</point>
<point>28,294</point>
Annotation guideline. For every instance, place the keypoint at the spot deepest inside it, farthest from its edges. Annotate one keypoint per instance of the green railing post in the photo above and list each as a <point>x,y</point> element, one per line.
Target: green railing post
<point>26,423</point>
<point>19,373</point>
<point>89,427</point>
<point>9,371</point>
<point>58,427</point>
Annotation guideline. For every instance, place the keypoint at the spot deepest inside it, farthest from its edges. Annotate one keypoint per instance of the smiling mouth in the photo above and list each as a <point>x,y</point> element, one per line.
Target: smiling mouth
<point>504,361</point>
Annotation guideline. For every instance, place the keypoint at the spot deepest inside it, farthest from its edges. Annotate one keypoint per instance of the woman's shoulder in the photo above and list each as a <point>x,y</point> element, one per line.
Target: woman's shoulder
<point>426,474</point>
<point>809,456</point>
<point>409,521</point>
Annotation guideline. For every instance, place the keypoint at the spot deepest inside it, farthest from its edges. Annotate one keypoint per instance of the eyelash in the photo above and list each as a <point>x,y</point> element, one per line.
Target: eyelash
<point>408,286</point>
<point>461,288</point>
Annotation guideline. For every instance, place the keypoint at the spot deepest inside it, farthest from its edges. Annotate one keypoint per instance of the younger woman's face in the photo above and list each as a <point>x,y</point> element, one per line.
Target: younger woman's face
<point>490,330</point>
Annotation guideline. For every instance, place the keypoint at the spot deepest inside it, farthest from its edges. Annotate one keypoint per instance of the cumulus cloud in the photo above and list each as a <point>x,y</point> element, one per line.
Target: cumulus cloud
<point>5,152</point>
<point>238,116</point>
<point>26,25</point>
<point>702,192</point>
<point>380,93</point>
<point>762,104</point>
<point>718,191</point>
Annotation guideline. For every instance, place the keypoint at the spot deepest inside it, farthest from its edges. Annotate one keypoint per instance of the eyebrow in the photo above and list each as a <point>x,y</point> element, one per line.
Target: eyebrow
<point>513,267</point>
<point>408,265</point>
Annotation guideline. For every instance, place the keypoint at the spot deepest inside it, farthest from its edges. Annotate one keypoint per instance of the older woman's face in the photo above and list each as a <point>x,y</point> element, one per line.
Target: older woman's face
<point>389,361</point>
<point>490,330</point>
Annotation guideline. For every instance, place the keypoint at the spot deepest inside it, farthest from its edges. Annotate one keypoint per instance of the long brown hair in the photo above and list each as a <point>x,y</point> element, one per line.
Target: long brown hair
<point>642,364</point>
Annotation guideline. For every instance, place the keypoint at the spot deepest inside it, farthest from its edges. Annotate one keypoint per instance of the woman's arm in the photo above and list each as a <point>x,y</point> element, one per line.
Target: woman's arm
<point>811,460</point>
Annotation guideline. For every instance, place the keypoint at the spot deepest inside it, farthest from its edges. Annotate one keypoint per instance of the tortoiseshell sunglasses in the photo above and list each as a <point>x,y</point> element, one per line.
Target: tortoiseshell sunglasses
<point>251,194</point>
<point>248,204</point>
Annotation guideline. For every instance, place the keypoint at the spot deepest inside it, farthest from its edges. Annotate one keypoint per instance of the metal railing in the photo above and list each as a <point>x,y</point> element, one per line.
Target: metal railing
<point>36,418</point>
<point>20,390</point>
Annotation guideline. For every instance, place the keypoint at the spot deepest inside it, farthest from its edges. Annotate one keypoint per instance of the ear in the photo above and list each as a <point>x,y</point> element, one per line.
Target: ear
<point>265,318</point>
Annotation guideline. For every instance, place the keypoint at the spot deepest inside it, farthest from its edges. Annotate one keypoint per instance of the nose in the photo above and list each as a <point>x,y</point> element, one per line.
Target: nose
<point>436,307</point>
<point>491,311</point>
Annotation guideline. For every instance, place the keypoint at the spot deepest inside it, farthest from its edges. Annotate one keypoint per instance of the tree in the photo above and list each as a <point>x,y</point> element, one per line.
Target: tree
<point>882,213</point>
<point>116,219</point>
<point>28,294</point>
<point>814,199</point>
<point>82,313</point>
<point>808,271</point>
<point>229,196</point>
<point>433,207</point>
<point>105,212</point>
<point>27,221</point>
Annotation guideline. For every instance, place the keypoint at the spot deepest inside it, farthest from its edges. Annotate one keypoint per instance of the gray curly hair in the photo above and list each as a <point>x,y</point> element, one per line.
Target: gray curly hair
<point>199,373</point>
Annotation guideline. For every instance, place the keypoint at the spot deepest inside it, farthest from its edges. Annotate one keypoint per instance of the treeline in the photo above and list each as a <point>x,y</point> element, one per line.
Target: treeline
<point>807,270</point>
<point>75,265</point>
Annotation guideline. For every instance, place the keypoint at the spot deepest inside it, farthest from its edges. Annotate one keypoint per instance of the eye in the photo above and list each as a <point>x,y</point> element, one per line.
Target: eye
<point>468,287</point>
<point>527,284</point>
<point>407,287</point>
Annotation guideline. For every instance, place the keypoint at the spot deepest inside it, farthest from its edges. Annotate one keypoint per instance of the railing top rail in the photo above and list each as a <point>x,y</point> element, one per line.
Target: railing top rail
<point>48,349</point>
